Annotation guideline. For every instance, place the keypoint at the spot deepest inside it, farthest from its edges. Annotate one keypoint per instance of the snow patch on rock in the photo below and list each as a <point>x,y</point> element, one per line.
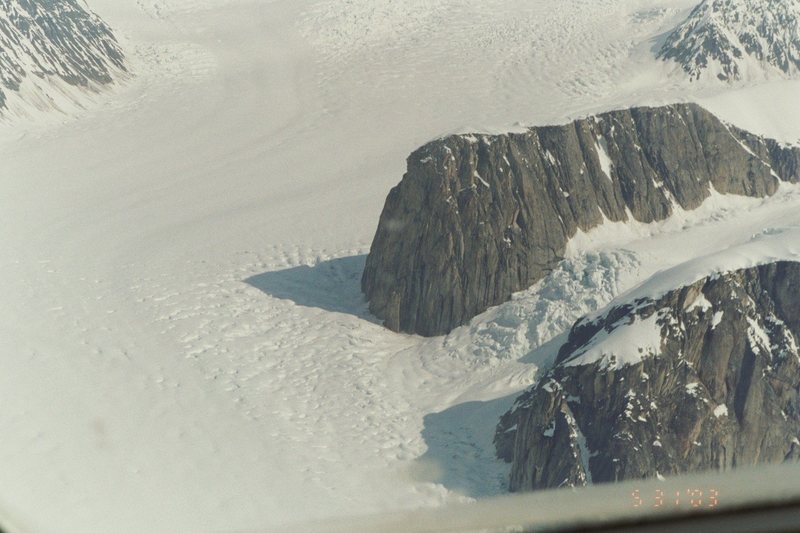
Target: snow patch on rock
<point>625,344</point>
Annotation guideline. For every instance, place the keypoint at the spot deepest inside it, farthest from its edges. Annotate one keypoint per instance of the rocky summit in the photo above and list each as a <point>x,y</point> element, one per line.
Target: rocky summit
<point>705,377</point>
<point>479,217</point>
<point>54,39</point>
<point>737,39</point>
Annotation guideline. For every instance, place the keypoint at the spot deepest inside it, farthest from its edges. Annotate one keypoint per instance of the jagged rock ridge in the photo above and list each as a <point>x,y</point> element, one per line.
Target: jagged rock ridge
<point>725,38</point>
<point>54,39</point>
<point>477,218</point>
<point>705,377</point>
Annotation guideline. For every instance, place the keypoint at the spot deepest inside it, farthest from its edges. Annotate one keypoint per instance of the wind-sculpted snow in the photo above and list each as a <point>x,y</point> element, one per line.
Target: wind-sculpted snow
<point>148,387</point>
<point>165,9</point>
<point>50,41</point>
<point>737,39</point>
<point>520,44</point>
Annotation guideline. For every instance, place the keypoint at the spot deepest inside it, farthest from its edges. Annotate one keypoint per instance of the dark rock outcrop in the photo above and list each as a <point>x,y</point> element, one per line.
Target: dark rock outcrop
<point>55,38</point>
<point>477,218</point>
<point>705,377</point>
<point>725,38</point>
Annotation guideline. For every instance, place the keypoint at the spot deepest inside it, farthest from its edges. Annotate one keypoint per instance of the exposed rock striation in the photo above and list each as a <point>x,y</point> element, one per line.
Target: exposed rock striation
<point>55,38</point>
<point>477,218</point>
<point>727,38</point>
<point>705,377</point>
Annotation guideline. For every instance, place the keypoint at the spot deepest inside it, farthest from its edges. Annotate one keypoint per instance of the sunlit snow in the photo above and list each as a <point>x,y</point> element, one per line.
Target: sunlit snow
<point>185,344</point>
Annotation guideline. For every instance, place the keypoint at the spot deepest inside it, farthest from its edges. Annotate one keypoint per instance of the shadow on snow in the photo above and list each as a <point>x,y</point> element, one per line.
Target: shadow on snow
<point>461,452</point>
<point>460,440</point>
<point>333,285</point>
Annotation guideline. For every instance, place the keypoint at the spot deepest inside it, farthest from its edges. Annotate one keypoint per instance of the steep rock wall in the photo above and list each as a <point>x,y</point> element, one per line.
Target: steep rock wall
<point>706,377</point>
<point>477,218</point>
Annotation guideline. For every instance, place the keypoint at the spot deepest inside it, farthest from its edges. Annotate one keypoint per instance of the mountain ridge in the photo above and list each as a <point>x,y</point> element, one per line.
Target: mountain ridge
<point>46,40</point>
<point>736,39</point>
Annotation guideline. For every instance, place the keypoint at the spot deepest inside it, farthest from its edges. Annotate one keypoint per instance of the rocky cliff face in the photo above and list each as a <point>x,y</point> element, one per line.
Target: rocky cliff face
<point>705,377</point>
<point>726,38</point>
<point>477,218</point>
<point>54,38</point>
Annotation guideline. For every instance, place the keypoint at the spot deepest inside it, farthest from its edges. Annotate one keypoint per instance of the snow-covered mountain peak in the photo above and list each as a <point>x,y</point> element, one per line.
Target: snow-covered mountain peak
<point>735,39</point>
<point>46,42</point>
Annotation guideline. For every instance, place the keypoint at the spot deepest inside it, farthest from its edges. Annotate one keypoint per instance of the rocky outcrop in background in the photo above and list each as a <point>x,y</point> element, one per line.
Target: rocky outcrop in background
<point>705,377</point>
<point>730,39</point>
<point>55,38</point>
<point>477,218</point>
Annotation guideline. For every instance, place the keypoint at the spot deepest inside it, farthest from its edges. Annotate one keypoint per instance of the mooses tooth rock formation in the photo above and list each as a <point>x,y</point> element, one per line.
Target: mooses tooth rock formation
<point>479,217</point>
<point>705,377</point>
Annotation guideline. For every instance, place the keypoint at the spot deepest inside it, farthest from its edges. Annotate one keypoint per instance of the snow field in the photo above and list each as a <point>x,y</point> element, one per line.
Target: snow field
<point>186,345</point>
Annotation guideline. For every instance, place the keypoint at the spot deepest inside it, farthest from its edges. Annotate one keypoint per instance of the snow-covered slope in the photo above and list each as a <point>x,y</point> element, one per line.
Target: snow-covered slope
<point>184,343</point>
<point>49,46</point>
<point>737,39</point>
